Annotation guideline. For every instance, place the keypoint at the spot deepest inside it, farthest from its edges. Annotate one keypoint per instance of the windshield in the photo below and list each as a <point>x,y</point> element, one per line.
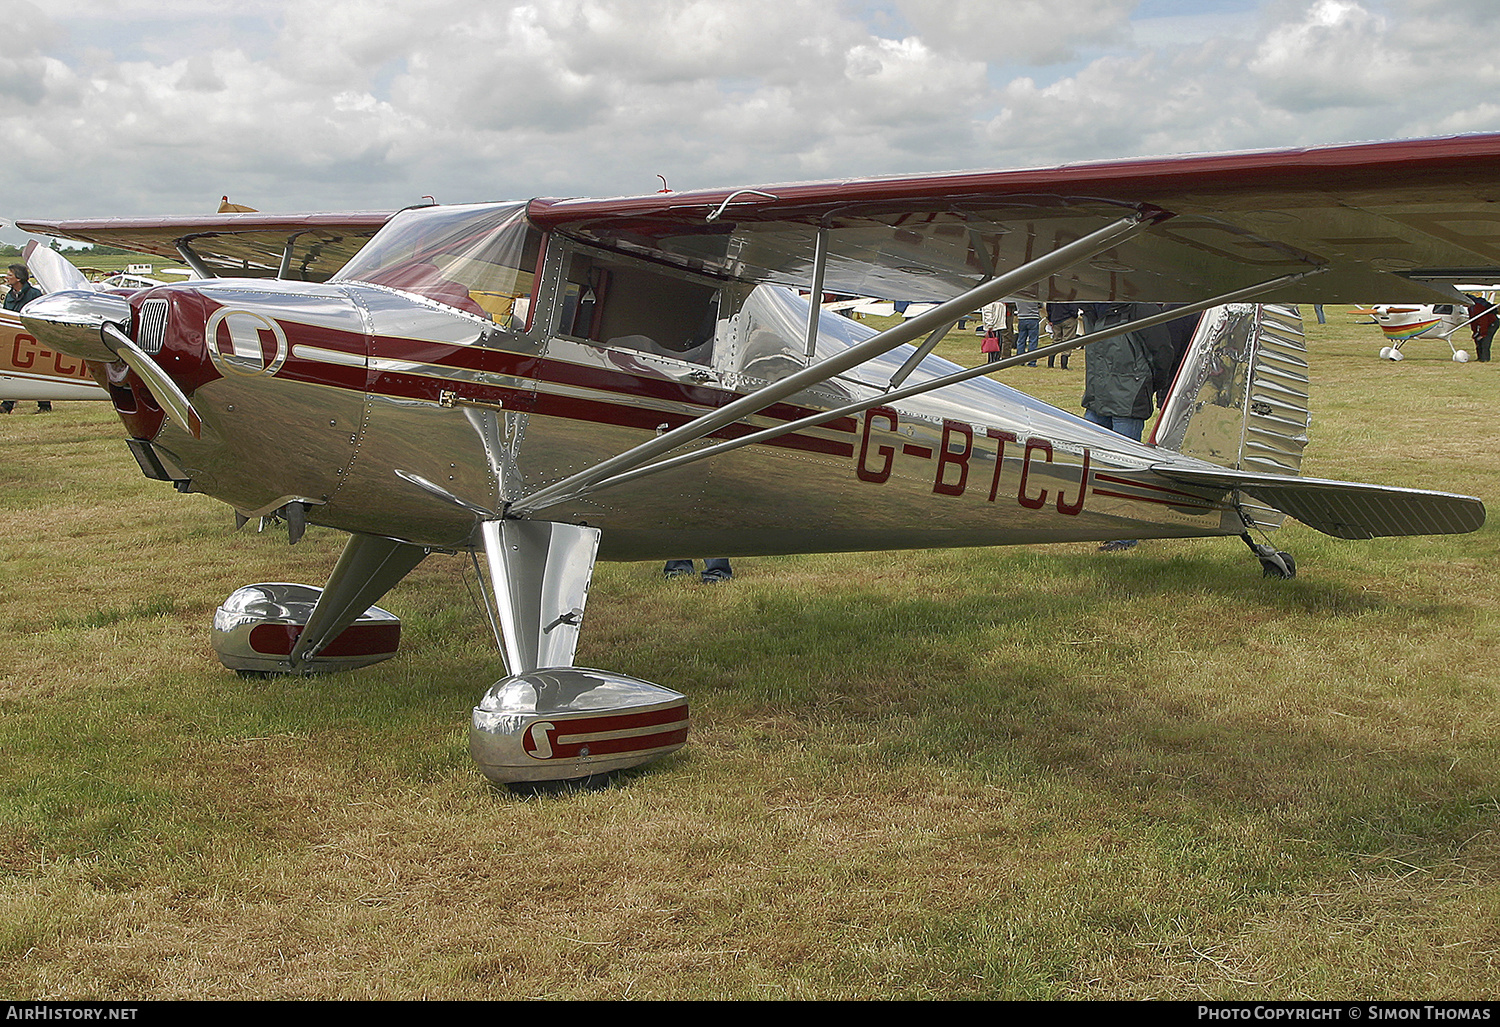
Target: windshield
<point>478,258</point>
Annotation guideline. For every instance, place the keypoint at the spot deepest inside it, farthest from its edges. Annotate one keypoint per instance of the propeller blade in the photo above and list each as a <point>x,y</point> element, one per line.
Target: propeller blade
<point>51,270</point>
<point>158,381</point>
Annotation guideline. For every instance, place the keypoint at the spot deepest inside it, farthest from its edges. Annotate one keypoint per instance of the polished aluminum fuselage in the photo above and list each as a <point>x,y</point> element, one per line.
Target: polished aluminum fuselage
<point>321,394</point>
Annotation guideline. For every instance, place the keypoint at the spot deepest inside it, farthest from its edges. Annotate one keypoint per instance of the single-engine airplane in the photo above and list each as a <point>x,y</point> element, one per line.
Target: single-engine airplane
<point>1400,323</point>
<point>540,384</point>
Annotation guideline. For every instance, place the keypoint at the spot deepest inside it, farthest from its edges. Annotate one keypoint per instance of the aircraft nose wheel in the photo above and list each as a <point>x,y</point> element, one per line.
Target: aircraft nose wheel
<point>1274,563</point>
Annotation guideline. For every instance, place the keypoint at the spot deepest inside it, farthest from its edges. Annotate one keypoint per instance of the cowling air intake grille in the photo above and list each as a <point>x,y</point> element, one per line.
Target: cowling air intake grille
<point>153,326</point>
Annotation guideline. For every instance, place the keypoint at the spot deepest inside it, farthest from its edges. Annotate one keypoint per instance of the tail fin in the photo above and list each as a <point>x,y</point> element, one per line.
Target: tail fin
<point>1240,396</point>
<point>1240,401</point>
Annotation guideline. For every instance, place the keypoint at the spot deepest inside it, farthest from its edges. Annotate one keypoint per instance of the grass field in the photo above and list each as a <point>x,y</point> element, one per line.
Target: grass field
<point>1038,772</point>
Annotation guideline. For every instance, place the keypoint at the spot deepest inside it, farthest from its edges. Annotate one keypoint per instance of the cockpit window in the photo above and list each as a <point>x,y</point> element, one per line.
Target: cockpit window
<point>479,258</point>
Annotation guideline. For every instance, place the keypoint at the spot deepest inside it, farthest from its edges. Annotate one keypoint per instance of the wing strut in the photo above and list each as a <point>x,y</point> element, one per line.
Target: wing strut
<point>933,384</point>
<point>192,259</point>
<point>920,354</point>
<point>1023,277</point>
<point>820,263</point>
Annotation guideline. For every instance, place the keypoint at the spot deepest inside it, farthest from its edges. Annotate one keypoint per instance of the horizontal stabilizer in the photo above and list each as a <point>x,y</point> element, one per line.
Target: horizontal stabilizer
<point>1345,509</point>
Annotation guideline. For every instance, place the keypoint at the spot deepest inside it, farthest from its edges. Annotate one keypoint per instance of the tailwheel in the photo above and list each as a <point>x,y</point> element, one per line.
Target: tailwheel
<point>1278,565</point>
<point>1274,563</point>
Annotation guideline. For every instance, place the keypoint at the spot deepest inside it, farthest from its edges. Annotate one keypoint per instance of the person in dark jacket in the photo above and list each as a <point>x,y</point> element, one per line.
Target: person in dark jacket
<point>1168,344</point>
<point>21,293</point>
<point>1118,377</point>
<point>1117,372</point>
<point>1483,326</point>
<point>1062,318</point>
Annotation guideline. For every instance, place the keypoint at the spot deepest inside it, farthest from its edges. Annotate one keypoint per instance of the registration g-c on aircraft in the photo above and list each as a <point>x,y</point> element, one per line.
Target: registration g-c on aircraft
<point>31,371</point>
<point>540,384</point>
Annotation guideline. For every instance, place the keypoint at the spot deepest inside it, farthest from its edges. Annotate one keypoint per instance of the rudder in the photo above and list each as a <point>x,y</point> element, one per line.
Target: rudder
<point>1239,399</point>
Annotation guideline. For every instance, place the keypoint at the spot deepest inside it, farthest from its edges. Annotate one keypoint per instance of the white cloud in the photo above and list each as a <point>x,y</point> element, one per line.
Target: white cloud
<point>1336,55</point>
<point>1019,32</point>
<point>160,106</point>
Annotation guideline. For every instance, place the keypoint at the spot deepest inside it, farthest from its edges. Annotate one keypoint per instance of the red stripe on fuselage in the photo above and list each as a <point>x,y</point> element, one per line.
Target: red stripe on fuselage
<point>595,411</point>
<point>627,385</point>
<point>1167,496</point>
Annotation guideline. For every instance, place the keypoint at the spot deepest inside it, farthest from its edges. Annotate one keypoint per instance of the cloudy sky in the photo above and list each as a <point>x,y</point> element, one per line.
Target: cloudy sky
<point>139,107</point>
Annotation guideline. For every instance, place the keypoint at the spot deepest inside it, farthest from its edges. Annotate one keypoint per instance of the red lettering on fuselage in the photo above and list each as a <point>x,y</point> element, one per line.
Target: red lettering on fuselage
<point>947,457</point>
<point>863,470</point>
<point>1074,509</point>
<point>956,452</point>
<point>1002,437</point>
<point>26,353</point>
<point>22,355</point>
<point>1040,499</point>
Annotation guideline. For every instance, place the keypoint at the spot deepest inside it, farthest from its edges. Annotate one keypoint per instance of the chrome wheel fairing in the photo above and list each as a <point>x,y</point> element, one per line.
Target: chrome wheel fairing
<point>561,723</point>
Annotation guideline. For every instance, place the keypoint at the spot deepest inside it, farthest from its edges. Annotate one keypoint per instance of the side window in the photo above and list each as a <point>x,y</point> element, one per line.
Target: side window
<point>503,282</point>
<point>633,305</point>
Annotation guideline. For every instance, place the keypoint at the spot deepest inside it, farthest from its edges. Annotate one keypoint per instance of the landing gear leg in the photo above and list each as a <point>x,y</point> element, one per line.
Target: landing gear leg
<point>368,568</point>
<point>1274,563</point>
<point>550,721</point>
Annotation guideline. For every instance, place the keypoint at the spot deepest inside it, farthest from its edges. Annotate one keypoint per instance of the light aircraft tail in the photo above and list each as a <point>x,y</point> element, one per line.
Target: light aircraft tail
<point>1240,396</point>
<point>1240,401</point>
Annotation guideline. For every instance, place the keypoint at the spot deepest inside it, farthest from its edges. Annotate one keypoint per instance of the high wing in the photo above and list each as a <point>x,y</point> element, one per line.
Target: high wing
<point>1398,221</point>
<point>307,247</point>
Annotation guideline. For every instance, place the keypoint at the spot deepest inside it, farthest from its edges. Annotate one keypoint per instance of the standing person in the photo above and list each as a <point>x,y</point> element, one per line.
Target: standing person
<point>1166,345</point>
<point>1008,331</point>
<point>1483,326</point>
<point>992,319</point>
<point>21,293</point>
<point>1062,319</point>
<point>1117,379</point>
<point>1028,327</point>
